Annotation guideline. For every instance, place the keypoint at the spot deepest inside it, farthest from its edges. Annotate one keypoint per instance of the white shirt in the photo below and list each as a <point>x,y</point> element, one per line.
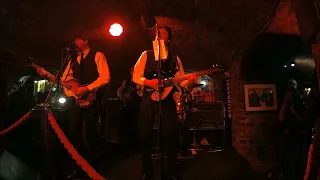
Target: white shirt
<point>102,68</point>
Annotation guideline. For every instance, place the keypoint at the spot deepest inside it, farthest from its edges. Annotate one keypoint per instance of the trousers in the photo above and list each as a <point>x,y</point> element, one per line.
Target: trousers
<point>83,128</point>
<point>169,133</point>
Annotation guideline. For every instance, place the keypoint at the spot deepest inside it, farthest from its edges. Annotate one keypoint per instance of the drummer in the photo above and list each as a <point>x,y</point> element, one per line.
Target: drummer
<point>196,94</point>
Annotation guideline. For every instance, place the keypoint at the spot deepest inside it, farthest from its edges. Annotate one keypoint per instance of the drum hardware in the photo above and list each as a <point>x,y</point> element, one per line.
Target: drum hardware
<point>215,125</point>
<point>194,145</point>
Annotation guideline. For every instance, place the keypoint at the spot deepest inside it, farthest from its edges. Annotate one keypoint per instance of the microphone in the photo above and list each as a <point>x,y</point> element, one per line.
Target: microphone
<point>72,47</point>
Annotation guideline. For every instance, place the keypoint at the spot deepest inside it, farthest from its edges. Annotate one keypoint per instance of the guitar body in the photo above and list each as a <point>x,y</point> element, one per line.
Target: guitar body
<point>155,95</point>
<point>86,100</point>
<point>70,87</point>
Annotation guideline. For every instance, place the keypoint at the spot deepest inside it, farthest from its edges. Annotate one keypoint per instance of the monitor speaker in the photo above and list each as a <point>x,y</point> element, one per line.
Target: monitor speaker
<point>12,167</point>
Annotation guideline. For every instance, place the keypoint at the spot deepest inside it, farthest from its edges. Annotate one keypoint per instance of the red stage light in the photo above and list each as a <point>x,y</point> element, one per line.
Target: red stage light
<point>116,29</point>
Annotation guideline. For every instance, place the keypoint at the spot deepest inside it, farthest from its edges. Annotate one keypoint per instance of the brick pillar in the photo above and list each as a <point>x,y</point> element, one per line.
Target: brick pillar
<point>254,134</point>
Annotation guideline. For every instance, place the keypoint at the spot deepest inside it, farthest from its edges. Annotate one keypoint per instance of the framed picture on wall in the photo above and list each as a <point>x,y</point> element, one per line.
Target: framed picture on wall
<point>260,97</point>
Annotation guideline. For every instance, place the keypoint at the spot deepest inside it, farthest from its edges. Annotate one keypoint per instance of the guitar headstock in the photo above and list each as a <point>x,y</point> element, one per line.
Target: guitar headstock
<point>30,61</point>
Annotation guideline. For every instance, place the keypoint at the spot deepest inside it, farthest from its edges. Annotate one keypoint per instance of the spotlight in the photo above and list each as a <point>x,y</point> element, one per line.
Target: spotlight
<point>292,65</point>
<point>62,100</point>
<point>116,29</point>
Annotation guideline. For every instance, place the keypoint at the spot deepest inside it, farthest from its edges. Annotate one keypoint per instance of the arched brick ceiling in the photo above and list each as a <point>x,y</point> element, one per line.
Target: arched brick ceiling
<point>206,32</point>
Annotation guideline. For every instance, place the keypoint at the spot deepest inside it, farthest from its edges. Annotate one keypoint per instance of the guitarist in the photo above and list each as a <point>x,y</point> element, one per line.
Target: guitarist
<point>90,68</point>
<point>130,94</point>
<point>145,72</point>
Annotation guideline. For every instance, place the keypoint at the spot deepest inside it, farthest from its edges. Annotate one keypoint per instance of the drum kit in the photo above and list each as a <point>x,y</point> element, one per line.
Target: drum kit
<point>185,107</point>
<point>185,103</point>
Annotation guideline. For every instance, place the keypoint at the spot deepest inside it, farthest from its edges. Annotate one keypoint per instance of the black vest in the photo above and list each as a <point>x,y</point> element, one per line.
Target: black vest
<point>169,66</point>
<point>86,72</point>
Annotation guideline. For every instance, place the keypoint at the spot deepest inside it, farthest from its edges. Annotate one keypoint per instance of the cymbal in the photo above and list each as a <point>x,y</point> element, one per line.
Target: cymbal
<point>197,85</point>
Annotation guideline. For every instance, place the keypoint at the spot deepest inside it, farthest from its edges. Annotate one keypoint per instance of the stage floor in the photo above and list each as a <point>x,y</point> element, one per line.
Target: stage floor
<point>124,164</point>
<point>223,165</point>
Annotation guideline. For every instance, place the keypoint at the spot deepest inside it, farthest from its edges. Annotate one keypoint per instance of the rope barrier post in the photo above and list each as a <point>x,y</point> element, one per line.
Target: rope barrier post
<point>49,171</point>
<point>71,149</point>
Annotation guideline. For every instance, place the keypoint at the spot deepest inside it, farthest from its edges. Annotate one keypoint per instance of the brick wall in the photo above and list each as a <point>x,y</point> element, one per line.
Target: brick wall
<point>254,134</point>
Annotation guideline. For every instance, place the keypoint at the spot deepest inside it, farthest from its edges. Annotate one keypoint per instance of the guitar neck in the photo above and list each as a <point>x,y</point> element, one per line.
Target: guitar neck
<point>50,76</point>
<point>179,79</point>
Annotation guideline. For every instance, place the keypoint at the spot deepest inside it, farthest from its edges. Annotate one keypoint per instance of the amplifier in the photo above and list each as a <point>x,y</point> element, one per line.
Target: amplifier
<point>207,116</point>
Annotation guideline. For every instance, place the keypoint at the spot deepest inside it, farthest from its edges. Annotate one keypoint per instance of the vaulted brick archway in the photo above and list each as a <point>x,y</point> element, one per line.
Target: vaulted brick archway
<point>206,32</point>
<point>262,62</point>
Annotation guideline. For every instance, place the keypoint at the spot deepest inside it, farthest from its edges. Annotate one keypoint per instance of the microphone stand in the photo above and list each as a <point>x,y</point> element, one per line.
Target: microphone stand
<point>43,107</point>
<point>160,81</point>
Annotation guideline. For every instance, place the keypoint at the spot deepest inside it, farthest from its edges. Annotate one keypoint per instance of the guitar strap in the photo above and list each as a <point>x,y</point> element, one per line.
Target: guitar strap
<point>176,87</point>
<point>81,65</point>
<point>176,61</point>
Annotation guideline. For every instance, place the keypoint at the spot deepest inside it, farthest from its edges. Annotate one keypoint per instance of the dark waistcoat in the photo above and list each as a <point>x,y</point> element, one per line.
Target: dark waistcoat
<point>86,72</point>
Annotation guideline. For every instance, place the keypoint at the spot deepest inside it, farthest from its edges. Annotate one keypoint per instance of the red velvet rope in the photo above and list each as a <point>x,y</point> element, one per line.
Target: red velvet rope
<point>16,124</point>
<point>309,163</point>
<point>72,151</point>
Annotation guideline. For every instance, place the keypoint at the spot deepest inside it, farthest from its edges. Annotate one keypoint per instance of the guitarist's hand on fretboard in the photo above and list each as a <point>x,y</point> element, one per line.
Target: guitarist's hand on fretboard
<point>151,83</point>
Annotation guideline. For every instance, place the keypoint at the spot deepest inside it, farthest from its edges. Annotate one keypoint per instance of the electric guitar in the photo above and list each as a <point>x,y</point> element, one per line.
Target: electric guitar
<point>167,84</point>
<point>69,88</point>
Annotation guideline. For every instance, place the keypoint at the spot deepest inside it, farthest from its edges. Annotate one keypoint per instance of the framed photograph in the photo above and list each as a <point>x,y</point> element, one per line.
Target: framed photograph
<point>260,97</point>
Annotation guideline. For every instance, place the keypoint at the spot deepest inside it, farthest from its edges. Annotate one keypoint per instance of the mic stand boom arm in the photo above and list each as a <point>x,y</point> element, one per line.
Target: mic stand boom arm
<point>49,174</point>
